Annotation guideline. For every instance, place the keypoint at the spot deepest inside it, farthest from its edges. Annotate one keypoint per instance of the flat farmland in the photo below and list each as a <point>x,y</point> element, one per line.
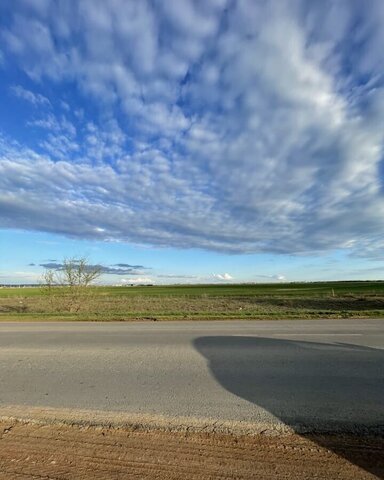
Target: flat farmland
<point>197,302</point>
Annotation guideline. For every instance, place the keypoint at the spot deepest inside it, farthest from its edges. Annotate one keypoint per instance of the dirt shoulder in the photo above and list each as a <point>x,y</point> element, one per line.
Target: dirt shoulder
<point>61,452</point>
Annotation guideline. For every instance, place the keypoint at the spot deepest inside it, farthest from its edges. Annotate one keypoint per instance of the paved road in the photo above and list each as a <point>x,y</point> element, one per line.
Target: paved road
<point>328,374</point>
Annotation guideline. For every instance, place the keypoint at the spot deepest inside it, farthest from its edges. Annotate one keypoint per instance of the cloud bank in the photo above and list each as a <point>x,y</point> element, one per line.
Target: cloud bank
<point>240,127</point>
<point>103,269</point>
<point>137,280</point>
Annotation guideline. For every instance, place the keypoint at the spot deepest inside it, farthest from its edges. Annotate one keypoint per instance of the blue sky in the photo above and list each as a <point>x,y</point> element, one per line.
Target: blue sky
<point>192,141</point>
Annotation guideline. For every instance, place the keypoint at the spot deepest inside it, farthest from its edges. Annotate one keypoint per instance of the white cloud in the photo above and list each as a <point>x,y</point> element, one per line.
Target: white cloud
<point>137,280</point>
<point>176,276</point>
<point>222,276</point>
<point>34,98</point>
<point>19,277</point>
<point>279,277</point>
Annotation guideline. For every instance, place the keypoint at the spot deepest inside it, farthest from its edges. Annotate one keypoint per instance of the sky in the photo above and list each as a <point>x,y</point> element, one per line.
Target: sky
<point>192,141</point>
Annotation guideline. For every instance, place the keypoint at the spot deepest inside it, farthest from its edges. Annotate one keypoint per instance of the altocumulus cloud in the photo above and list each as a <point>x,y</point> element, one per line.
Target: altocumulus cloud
<point>35,98</point>
<point>242,126</point>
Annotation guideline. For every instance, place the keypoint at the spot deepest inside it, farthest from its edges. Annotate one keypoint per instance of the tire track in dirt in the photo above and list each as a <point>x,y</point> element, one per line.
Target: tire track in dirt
<point>65,452</point>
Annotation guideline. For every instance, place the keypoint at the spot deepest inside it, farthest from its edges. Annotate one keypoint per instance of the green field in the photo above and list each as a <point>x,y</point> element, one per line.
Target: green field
<point>198,302</point>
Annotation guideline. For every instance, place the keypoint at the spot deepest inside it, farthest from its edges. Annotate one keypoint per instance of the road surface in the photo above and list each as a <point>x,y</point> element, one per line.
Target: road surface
<point>326,375</point>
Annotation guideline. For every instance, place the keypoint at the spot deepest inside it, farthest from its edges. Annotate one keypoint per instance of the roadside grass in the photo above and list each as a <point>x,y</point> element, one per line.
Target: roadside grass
<point>199,302</point>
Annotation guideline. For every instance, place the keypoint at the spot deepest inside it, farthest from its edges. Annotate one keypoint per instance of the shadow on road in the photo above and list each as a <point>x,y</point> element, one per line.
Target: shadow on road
<point>308,386</point>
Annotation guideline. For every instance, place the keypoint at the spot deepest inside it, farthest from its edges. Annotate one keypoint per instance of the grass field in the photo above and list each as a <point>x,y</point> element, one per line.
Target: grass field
<point>199,302</point>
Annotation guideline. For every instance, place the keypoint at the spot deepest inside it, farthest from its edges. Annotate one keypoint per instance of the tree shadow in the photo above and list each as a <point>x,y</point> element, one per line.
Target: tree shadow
<point>322,391</point>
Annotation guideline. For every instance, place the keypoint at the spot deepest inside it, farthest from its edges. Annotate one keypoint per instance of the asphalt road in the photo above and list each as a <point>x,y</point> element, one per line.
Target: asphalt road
<point>324,374</point>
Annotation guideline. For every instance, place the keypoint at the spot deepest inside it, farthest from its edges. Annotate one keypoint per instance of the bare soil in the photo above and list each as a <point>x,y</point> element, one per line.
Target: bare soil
<point>61,452</point>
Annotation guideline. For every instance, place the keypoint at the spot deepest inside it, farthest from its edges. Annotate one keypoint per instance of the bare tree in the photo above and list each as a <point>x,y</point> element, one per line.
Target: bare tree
<point>76,272</point>
<point>48,284</point>
<point>68,285</point>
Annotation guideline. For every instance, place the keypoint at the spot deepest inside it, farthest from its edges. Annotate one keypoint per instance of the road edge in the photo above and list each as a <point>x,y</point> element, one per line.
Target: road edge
<point>151,422</point>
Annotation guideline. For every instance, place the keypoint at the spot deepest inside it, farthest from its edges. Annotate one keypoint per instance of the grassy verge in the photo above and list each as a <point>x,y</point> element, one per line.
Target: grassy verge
<point>209,302</point>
